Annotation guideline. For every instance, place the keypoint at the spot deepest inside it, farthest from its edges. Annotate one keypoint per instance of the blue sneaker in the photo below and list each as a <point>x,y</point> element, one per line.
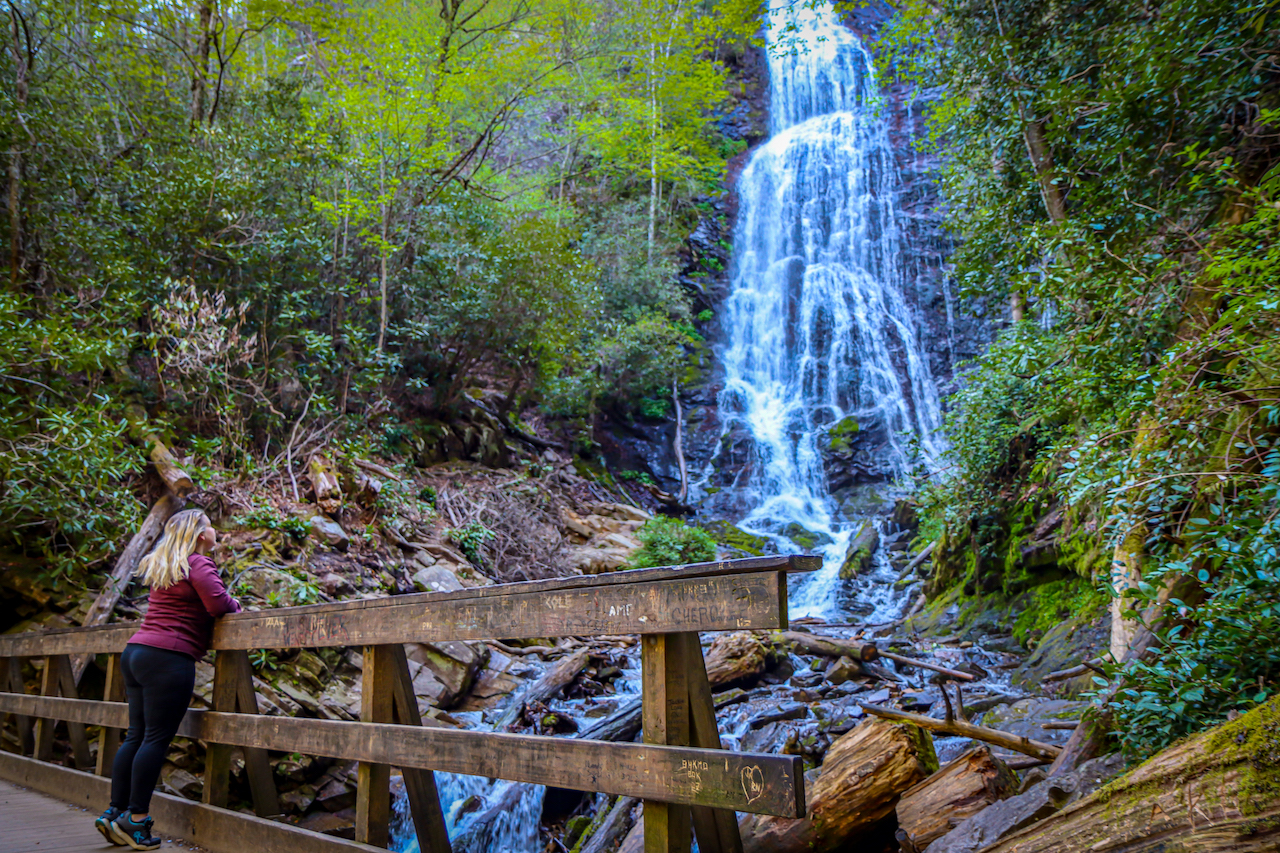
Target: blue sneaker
<point>136,835</point>
<point>102,823</point>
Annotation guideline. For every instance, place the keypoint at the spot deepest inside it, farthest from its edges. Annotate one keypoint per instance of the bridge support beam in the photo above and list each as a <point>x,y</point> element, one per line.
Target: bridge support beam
<point>109,740</point>
<point>665,720</point>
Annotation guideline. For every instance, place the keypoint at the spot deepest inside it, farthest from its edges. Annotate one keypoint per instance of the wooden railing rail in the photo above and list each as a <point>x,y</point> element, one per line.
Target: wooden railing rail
<point>689,784</point>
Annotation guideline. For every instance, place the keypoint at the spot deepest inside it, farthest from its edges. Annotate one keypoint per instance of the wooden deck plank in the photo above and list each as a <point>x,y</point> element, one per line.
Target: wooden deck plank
<point>37,823</point>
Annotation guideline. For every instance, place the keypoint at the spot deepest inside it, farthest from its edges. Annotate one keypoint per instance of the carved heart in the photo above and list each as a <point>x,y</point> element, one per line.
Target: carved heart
<point>752,783</point>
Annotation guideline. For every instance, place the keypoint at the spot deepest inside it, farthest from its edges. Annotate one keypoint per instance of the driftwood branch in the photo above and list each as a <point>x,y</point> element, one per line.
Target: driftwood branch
<point>380,470</point>
<point>869,653</point>
<point>917,560</point>
<point>1094,665</point>
<point>963,728</point>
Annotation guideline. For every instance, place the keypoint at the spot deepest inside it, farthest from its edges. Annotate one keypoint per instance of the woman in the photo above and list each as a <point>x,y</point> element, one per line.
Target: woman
<point>159,668</point>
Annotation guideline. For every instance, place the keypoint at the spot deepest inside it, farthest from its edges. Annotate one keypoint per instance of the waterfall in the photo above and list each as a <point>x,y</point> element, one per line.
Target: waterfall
<point>817,330</point>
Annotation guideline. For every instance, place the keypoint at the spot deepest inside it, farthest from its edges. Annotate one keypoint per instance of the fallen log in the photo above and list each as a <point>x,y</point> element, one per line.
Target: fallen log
<point>917,560</point>
<point>859,783</point>
<point>622,725</point>
<point>963,728</point>
<point>735,657</point>
<point>118,581</point>
<point>1213,792</point>
<point>167,467</point>
<point>601,835</point>
<point>975,780</point>
<point>552,682</point>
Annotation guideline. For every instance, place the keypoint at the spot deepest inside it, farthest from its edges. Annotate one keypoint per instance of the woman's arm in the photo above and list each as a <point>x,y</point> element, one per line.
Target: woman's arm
<point>209,586</point>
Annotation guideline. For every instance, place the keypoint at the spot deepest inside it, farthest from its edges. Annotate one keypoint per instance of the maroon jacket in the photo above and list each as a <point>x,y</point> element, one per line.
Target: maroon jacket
<point>180,617</point>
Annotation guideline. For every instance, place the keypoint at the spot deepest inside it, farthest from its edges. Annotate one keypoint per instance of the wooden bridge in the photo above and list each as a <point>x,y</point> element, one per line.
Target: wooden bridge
<point>688,783</point>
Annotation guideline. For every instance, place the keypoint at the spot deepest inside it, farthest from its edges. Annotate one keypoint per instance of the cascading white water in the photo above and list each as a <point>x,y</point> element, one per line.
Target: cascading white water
<point>817,328</point>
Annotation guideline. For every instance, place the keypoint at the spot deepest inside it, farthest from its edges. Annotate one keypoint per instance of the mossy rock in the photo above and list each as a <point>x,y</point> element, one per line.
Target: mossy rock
<point>805,538</point>
<point>734,537</point>
<point>840,436</point>
<point>862,549</point>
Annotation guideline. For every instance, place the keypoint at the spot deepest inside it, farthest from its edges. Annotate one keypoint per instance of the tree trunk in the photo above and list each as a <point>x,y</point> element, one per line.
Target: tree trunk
<point>23,60</point>
<point>1051,189</point>
<point>200,75</point>
<point>1214,792</point>
<point>964,787</point>
<point>864,774</point>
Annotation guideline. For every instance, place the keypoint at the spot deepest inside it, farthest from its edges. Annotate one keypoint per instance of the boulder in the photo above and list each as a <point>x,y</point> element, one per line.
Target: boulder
<point>182,783</point>
<point>1027,717</point>
<point>861,551</point>
<point>451,665</point>
<point>335,585</point>
<point>266,583</point>
<point>329,532</point>
<point>435,578</point>
<point>594,561</point>
<point>503,676</point>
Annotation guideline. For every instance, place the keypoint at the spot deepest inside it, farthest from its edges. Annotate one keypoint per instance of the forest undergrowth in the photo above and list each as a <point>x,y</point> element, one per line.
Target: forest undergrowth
<point>1112,175</point>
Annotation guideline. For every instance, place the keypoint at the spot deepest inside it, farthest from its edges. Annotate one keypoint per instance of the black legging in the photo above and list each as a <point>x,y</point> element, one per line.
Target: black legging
<point>158,683</point>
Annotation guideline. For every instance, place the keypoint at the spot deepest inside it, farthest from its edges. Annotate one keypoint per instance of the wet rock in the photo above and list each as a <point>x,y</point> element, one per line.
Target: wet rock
<point>806,678</point>
<point>298,800</point>
<point>339,825</point>
<point>502,676</point>
<point>329,532</point>
<point>861,551</point>
<point>789,711</point>
<point>1066,644</point>
<point>843,670</point>
<point>1028,716</point>
<point>336,794</point>
<point>809,540</point>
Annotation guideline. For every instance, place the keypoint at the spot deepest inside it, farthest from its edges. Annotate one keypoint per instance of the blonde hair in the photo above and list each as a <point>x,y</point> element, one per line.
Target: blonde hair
<point>167,562</point>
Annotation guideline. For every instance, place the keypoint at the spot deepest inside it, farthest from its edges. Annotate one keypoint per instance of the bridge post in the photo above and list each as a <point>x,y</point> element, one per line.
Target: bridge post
<point>11,680</point>
<point>109,740</point>
<point>232,692</point>
<point>419,785</point>
<point>373,781</point>
<point>665,720</point>
<point>716,829</point>
<point>54,680</point>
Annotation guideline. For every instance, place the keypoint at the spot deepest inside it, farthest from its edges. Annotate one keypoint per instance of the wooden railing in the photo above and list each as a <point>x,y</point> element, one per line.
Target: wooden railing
<point>687,782</point>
